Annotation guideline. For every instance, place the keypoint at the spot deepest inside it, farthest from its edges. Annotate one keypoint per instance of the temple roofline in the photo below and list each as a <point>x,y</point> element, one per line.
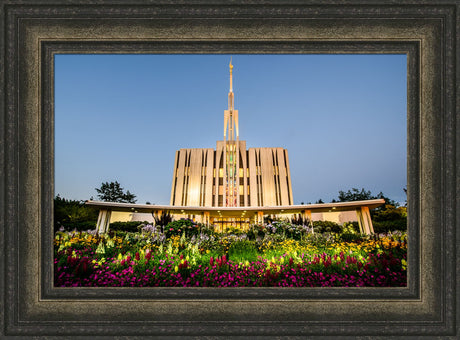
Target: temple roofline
<point>287,209</point>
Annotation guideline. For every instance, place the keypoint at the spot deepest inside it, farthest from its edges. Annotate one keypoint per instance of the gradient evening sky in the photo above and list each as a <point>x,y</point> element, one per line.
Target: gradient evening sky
<point>342,119</point>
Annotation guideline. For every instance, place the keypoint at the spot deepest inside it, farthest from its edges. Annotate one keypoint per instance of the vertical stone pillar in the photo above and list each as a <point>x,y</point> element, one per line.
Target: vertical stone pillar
<point>364,220</point>
<point>103,221</point>
<point>307,214</point>
<point>260,217</point>
<point>206,218</point>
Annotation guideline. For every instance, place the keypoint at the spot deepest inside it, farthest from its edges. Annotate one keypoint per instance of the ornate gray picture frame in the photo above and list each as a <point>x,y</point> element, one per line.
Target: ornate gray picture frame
<point>34,31</point>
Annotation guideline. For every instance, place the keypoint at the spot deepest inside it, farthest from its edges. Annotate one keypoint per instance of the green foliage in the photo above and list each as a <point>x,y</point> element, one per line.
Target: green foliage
<point>113,192</point>
<point>381,227</point>
<point>326,227</point>
<point>350,232</point>
<point>181,226</point>
<point>390,213</point>
<point>299,220</point>
<point>256,231</point>
<point>163,219</point>
<point>349,228</point>
<point>356,195</point>
<point>72,214</point>
<point>234,231</point>
<point>80,225</point>
<point>131,226</point>
<point>388,217</point>
<point>280,229</point>
<point>208,230</point>
<point>349,237</point>
<point>242,250</point>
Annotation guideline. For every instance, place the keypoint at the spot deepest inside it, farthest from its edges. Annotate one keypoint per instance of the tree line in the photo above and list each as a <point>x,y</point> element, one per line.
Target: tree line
<point>71,214</point>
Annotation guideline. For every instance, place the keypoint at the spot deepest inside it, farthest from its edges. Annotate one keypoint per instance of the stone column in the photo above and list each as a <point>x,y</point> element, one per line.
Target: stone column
<point>103,221</point>
<point>307,214</point>
<point>364,220</point>
<point>206,218</point>
<point>260,217</point>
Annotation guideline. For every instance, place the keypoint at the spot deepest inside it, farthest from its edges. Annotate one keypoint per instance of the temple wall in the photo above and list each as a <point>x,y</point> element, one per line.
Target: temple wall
<point>263,177</point>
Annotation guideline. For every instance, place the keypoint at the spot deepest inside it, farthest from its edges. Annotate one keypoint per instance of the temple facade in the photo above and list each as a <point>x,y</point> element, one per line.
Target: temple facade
<point>231,175</point>
<point>231,186</point>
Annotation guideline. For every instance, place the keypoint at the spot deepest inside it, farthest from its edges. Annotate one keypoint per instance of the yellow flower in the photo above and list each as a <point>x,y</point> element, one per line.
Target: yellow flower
<point>404,264</point>
<point>176,268</point>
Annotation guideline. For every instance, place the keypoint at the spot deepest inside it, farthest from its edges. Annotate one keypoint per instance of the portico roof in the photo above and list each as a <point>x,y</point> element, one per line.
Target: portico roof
<point>237,211</point>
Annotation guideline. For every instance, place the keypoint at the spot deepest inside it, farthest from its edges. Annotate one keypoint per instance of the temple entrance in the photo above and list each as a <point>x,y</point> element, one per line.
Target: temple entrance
<point>224,223</point>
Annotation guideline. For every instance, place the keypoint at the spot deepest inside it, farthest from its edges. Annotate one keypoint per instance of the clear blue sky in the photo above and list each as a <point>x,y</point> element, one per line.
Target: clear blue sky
<point>122,117</point>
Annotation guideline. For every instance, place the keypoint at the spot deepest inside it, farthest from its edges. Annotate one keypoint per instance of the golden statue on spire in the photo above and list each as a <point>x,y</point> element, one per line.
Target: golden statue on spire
<point>231,75</point>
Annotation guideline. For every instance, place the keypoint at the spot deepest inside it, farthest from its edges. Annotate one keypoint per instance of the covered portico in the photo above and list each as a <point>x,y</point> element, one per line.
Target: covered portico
<point>253,214</point>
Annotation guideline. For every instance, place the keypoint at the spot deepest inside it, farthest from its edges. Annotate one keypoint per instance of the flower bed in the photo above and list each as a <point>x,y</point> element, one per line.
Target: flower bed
<point>151,259</point>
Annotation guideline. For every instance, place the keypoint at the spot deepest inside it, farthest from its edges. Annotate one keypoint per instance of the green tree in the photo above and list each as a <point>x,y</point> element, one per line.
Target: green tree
<point>356,195</point>
<point>113,192</point>
<point>389,216</point>
<point>72,214</point>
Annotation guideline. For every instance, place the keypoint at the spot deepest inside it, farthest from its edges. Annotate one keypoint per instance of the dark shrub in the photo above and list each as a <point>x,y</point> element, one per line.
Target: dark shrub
<point>256,231</point>
<point>234,231</point>
<point>183,225</point>
<point>386,226</point>
<point>163,219</point>
<point>348,237</point>
<point>326,226</point>
<point>299,220</point>
<point>79,226</point>
<point>131,226</point>
<point>72,214</point>
<point>251,234</point>
<point>207,230</point>
<point>354,225</point>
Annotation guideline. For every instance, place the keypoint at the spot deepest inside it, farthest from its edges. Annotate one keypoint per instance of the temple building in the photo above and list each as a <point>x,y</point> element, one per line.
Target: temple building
<point>231,186</point>
<point>231,175</point>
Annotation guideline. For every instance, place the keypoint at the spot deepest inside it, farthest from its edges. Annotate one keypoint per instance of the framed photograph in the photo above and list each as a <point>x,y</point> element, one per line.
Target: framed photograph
<point>253,211</point>
<point>36,34</point>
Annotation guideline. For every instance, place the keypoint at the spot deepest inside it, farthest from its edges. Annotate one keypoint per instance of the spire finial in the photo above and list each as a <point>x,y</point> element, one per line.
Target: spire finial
<point>231,70</point>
